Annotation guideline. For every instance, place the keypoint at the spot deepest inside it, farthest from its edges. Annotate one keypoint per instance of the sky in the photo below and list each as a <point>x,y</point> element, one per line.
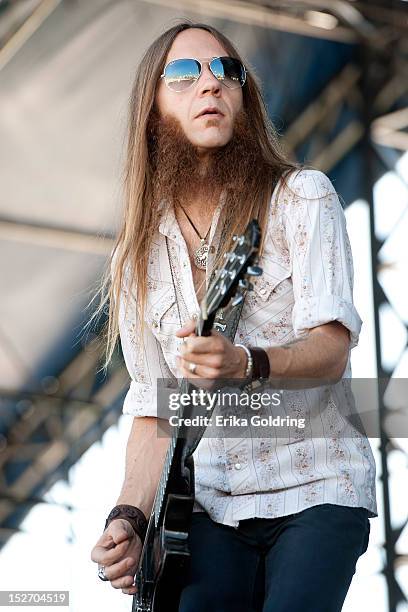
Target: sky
<point>53,551</point>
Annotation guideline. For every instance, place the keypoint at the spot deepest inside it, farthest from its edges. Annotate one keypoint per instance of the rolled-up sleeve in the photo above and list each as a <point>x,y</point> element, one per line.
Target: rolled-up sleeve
<point>144,360</point>
<point>320,255</point>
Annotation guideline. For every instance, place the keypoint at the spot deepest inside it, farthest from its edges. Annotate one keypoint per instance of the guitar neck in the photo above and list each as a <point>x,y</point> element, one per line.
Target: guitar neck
<point>177,443</point>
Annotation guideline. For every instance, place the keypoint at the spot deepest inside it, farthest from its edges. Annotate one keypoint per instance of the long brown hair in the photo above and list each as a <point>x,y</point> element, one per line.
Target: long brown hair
<point>140,215</point>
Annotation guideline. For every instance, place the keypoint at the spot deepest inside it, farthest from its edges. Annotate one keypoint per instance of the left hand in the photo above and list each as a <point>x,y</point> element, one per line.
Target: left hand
<point>214,356</point>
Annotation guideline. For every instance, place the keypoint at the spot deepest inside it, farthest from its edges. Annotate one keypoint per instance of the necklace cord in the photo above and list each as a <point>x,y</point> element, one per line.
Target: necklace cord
<point>193,226</point>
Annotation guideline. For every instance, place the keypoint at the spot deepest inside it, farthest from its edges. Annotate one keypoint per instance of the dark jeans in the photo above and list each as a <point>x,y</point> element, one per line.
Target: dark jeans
<point>303,562</point>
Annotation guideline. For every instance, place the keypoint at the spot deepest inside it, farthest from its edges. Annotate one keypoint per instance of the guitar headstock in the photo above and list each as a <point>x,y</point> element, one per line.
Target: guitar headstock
<point>231,282</point>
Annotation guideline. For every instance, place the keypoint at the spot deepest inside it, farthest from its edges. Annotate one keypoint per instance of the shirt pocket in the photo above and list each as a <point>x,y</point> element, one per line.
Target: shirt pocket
<point>268,308</point>
<point>163,318</point>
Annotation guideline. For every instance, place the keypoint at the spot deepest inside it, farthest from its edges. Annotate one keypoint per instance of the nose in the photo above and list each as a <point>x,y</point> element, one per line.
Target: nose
<point>208,82</point>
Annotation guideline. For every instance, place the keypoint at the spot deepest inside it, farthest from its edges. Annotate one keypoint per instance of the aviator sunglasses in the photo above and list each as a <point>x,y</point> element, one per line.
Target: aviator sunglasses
<point>180,74</point>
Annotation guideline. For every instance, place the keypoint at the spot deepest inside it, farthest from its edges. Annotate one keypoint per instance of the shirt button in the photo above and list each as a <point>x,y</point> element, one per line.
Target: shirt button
<point>155,324</point>
<point>262,291</point>
<point>237,466</point>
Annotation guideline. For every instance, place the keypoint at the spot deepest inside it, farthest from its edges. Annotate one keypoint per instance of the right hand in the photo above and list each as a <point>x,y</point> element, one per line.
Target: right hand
<point>119,549</point>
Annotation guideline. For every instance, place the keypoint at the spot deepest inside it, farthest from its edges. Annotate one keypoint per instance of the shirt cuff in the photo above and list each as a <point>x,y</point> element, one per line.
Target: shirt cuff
<point>141,399</point>
<point>318,310</point>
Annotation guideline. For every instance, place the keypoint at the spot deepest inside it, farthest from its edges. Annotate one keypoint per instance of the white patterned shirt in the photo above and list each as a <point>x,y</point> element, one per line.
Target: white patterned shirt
<point>307,281</point>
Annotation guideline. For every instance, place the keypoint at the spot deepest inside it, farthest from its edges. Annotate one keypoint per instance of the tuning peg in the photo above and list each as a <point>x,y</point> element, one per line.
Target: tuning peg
<point>234,238</point>
<point>254,270</point>
<point>237,299</point>
<point>245,284</point>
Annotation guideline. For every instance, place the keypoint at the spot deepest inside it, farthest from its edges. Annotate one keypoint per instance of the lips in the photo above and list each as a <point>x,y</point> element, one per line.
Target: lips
<point>210,111</point>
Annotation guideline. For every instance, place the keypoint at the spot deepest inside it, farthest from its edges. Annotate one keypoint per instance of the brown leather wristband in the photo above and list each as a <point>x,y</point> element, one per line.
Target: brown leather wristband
<point>261,365</point>
<point>132,514</point>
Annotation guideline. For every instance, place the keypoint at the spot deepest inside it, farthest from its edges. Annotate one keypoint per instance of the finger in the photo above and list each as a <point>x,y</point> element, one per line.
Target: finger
<point>119,570</point>
<point>107,557</point>
<point>99,549</point>
<point>202,344</point>
<point>124,582</point>
<point>198,381</point>
<point>206,360</point>
<point>202,371</point>
<point>106,541</point>
<point>187,329</point>
<point>130,591</point>
<point>120,530</point>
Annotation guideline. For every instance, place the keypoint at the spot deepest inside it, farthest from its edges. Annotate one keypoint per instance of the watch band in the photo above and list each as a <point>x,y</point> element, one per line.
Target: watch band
<point>132,514</point>
<point>261,365</point>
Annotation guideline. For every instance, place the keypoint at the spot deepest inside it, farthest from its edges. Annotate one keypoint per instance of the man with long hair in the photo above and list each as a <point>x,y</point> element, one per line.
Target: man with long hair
<point>277,526</point>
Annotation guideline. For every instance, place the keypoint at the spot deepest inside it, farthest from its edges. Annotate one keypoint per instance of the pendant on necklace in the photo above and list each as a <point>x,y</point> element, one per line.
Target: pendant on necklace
<point>201,255</point>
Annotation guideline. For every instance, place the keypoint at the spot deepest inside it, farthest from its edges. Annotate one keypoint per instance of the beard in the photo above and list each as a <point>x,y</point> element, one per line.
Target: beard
<point>180,176</point>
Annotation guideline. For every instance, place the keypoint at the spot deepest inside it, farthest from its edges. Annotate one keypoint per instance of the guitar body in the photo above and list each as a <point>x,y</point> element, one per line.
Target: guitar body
<point>164,560</point>
<point>166,556</point>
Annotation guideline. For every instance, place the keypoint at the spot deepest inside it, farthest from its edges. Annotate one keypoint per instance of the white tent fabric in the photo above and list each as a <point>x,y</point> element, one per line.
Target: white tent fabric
<point>63,113</point>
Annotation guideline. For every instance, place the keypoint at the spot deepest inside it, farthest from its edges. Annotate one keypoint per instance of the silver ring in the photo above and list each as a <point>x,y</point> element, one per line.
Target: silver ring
<point>192,367</point>
<point>101,573</point>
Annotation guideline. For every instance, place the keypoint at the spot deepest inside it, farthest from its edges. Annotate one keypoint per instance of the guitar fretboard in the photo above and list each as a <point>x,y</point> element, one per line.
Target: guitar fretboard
<point>168,462</point>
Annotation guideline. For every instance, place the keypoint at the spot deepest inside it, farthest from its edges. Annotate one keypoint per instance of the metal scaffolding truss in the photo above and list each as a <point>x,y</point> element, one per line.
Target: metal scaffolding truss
<point>47,430</point>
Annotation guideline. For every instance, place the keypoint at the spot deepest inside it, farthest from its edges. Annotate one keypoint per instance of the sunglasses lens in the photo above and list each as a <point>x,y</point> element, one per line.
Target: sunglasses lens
<point>181,74</point>
<point>229,71</point>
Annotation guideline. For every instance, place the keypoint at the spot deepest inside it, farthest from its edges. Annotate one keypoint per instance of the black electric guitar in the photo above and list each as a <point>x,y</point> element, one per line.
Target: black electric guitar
<point>165,555</point>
